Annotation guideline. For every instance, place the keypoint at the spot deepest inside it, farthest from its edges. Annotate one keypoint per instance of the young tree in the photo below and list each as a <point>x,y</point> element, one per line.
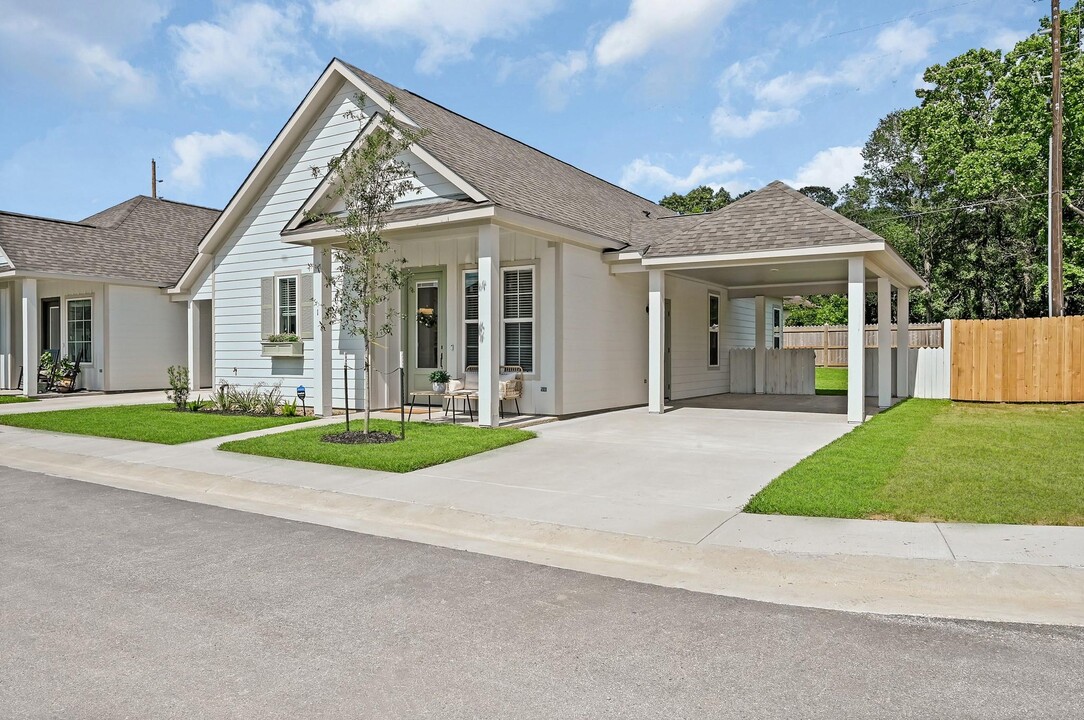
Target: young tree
<point>369,177</point>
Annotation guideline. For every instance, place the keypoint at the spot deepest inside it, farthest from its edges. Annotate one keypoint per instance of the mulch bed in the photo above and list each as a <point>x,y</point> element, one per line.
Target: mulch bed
<point>356,437</point>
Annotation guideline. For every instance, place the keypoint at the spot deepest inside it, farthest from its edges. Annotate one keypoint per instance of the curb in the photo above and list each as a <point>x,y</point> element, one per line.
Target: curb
<point>939,588</point>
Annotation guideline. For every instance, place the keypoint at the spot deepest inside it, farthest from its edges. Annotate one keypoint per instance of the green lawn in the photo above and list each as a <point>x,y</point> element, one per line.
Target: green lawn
<point>831,381</point>
<point>15,399</point>
<point>426,444</point>
<point>148,423</point>
<point>932,460</point>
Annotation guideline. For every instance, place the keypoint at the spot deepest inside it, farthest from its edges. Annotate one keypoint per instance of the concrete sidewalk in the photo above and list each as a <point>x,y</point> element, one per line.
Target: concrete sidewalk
<point>1010,573</point>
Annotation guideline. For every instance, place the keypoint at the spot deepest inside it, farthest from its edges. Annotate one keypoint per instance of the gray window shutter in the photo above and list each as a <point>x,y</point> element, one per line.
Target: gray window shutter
<point>267,307</point>
<point>306,321</point>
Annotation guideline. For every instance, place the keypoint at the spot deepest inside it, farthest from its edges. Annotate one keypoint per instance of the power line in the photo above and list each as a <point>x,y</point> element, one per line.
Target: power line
<point>967,206</point>
<point>904,17</point>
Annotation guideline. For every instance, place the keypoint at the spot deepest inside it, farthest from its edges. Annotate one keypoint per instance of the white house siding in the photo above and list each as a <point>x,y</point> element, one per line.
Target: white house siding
<point>147,334</point>
<point>255,250</point>
<point>603,334</point>
<point>690,375</point>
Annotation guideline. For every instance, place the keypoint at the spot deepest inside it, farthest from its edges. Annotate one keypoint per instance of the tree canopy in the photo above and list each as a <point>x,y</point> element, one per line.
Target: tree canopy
<point>698,200</point>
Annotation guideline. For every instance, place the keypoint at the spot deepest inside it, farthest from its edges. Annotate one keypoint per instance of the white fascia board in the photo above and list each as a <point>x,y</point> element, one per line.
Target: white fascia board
<point>549,230</point>
<point>447,173</point>
<point>318,96</point>
<point>368,90</point>
<point>327,235</point>
<point>623,256</point>
<point>830,252</point>
<point>904,274</point>
<point>76,277</point>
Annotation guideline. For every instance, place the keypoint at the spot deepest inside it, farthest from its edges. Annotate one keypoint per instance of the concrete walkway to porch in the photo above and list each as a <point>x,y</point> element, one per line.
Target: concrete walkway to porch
<point>655,498</point>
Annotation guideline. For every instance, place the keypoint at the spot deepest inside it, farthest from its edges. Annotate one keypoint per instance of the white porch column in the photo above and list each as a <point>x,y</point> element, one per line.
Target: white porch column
<point>194,350</point>
<point>856,340</point>
<point>31,344</point>
<point>903,342</point>
<point>656,341</point>
<point>489,319</point>
<point>884,342</point>
<point>759,355</point>
<point>6,379</point>
<point>321,393</point>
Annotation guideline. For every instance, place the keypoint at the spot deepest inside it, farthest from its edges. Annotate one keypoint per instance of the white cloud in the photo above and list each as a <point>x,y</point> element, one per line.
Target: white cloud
<point>247,53</point>
<point>561,79</point>
<point>80,47</point>
<point>653,25</point>
<point>709,170</point>
<point>447,31</point>
<point>832,168</point>
<point>895,49</point>
<point>1005,39</point>
<point>194,150</point>
<point>725,123</point>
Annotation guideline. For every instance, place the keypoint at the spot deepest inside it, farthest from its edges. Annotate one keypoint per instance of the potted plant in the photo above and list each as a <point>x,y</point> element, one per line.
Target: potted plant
<point>440,379</point>
<point>282,345</point>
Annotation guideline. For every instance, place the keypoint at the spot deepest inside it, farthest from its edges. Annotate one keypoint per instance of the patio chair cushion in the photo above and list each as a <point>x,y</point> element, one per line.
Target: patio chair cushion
<point>455,386</point>
<point>470,380</point>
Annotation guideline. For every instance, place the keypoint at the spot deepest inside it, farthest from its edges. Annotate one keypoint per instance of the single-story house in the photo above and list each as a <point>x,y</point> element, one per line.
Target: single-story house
<point>95,290</point>
<point>603,298</point>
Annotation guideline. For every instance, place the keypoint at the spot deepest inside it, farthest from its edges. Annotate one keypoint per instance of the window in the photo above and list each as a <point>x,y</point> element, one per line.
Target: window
<point>286,304</point>
<point>777,327</point>
<point>470,315</point>
<point>79,322</point>
<point>518,318</point>
<point>713,330</point>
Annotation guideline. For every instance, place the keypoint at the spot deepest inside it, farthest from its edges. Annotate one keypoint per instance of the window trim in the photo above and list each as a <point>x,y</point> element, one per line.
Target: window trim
<point>777,330</point>
<point>534,266</point>
<point>533,320</point>
<point>465,321</point>
<point>66,321</point>
<point>718,298</point>
<point>296,277</point>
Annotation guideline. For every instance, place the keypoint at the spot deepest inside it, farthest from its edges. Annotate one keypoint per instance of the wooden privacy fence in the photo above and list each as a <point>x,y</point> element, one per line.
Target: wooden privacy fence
<point>830,341</point>
<point>1032,360</point>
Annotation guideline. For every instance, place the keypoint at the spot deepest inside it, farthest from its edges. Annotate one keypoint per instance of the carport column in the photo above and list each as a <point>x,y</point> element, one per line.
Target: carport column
<point>31,344</point>
<point>856,339</point>
<point>193,345</point>
<point>760,354</point>
<point>489,319</point>
<point>884,342</point>
<point>321,356</point>
<point>656,336</point>
<point>903,342</point>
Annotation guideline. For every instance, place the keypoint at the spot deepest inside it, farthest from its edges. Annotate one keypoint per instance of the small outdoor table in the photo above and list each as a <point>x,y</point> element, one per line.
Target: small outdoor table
<point>428,395</point>
<point>466,396</point>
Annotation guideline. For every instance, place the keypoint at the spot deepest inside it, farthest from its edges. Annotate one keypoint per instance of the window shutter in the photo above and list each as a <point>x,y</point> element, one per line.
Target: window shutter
<point>306,323</point>
<point>267,307</point>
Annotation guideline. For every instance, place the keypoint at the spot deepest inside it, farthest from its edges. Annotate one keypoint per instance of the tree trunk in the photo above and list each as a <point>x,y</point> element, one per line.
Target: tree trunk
<point>367,371</point>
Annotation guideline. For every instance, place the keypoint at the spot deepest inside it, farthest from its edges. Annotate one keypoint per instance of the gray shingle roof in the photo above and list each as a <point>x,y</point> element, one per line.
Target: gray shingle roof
<point>775,217</point>
<point>143,239</point>
<point>517,176</point>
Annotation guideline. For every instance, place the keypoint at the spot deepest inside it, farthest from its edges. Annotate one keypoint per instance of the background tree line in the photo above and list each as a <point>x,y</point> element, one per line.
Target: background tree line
<point>958,184</point>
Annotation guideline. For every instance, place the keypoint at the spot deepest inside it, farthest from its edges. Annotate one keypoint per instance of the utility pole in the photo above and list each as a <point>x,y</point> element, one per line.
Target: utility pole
<point>154,178</point>
<point>1057,300</point>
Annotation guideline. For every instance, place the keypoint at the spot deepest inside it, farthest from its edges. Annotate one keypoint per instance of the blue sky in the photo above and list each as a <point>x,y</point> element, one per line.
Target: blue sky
<point>655,95</point>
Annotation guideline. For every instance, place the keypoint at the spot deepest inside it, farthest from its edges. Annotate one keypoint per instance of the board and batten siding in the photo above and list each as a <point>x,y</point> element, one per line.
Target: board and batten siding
<point>690,375</point>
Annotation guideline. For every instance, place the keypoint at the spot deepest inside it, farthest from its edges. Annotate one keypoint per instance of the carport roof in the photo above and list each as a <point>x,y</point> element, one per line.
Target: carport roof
<point>776,217</point>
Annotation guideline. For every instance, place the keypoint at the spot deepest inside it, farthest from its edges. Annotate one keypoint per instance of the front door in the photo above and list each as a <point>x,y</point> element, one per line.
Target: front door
<point>50,325</point>
<point>425,329</point>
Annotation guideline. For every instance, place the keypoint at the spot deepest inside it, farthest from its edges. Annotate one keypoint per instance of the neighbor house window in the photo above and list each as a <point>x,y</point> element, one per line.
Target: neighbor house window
<point>470,317</point>
<point>518,318</point>
<point>79,327</point>
<point>713,330</point>
<point>286,302</point>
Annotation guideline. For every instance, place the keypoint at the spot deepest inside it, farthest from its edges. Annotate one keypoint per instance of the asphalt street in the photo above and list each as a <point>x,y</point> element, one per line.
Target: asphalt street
<point>116,604</point>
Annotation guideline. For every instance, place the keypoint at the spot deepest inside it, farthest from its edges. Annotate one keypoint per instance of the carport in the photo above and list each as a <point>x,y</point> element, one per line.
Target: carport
<point>776,242</point>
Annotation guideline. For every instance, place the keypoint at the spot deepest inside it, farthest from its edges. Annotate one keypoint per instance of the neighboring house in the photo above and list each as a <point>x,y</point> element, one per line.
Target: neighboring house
<point>95,289</point>
<point>604,298</point>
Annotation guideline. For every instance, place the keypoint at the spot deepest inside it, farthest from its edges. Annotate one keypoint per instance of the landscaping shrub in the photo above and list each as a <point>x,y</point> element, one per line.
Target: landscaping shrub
<point>178,384</point>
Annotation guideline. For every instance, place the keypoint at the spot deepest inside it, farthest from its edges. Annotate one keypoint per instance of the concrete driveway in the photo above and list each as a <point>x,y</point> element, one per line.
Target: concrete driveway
<point>676,475</point>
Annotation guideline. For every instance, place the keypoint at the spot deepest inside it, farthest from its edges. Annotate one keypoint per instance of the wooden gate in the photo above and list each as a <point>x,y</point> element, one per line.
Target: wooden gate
<point>1031,360</point>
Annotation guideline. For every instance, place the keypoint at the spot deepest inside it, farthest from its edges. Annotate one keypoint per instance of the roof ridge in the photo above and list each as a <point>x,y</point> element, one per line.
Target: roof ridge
<point>828,212</point>
<point>504,135</point>
<point>181,202</point>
